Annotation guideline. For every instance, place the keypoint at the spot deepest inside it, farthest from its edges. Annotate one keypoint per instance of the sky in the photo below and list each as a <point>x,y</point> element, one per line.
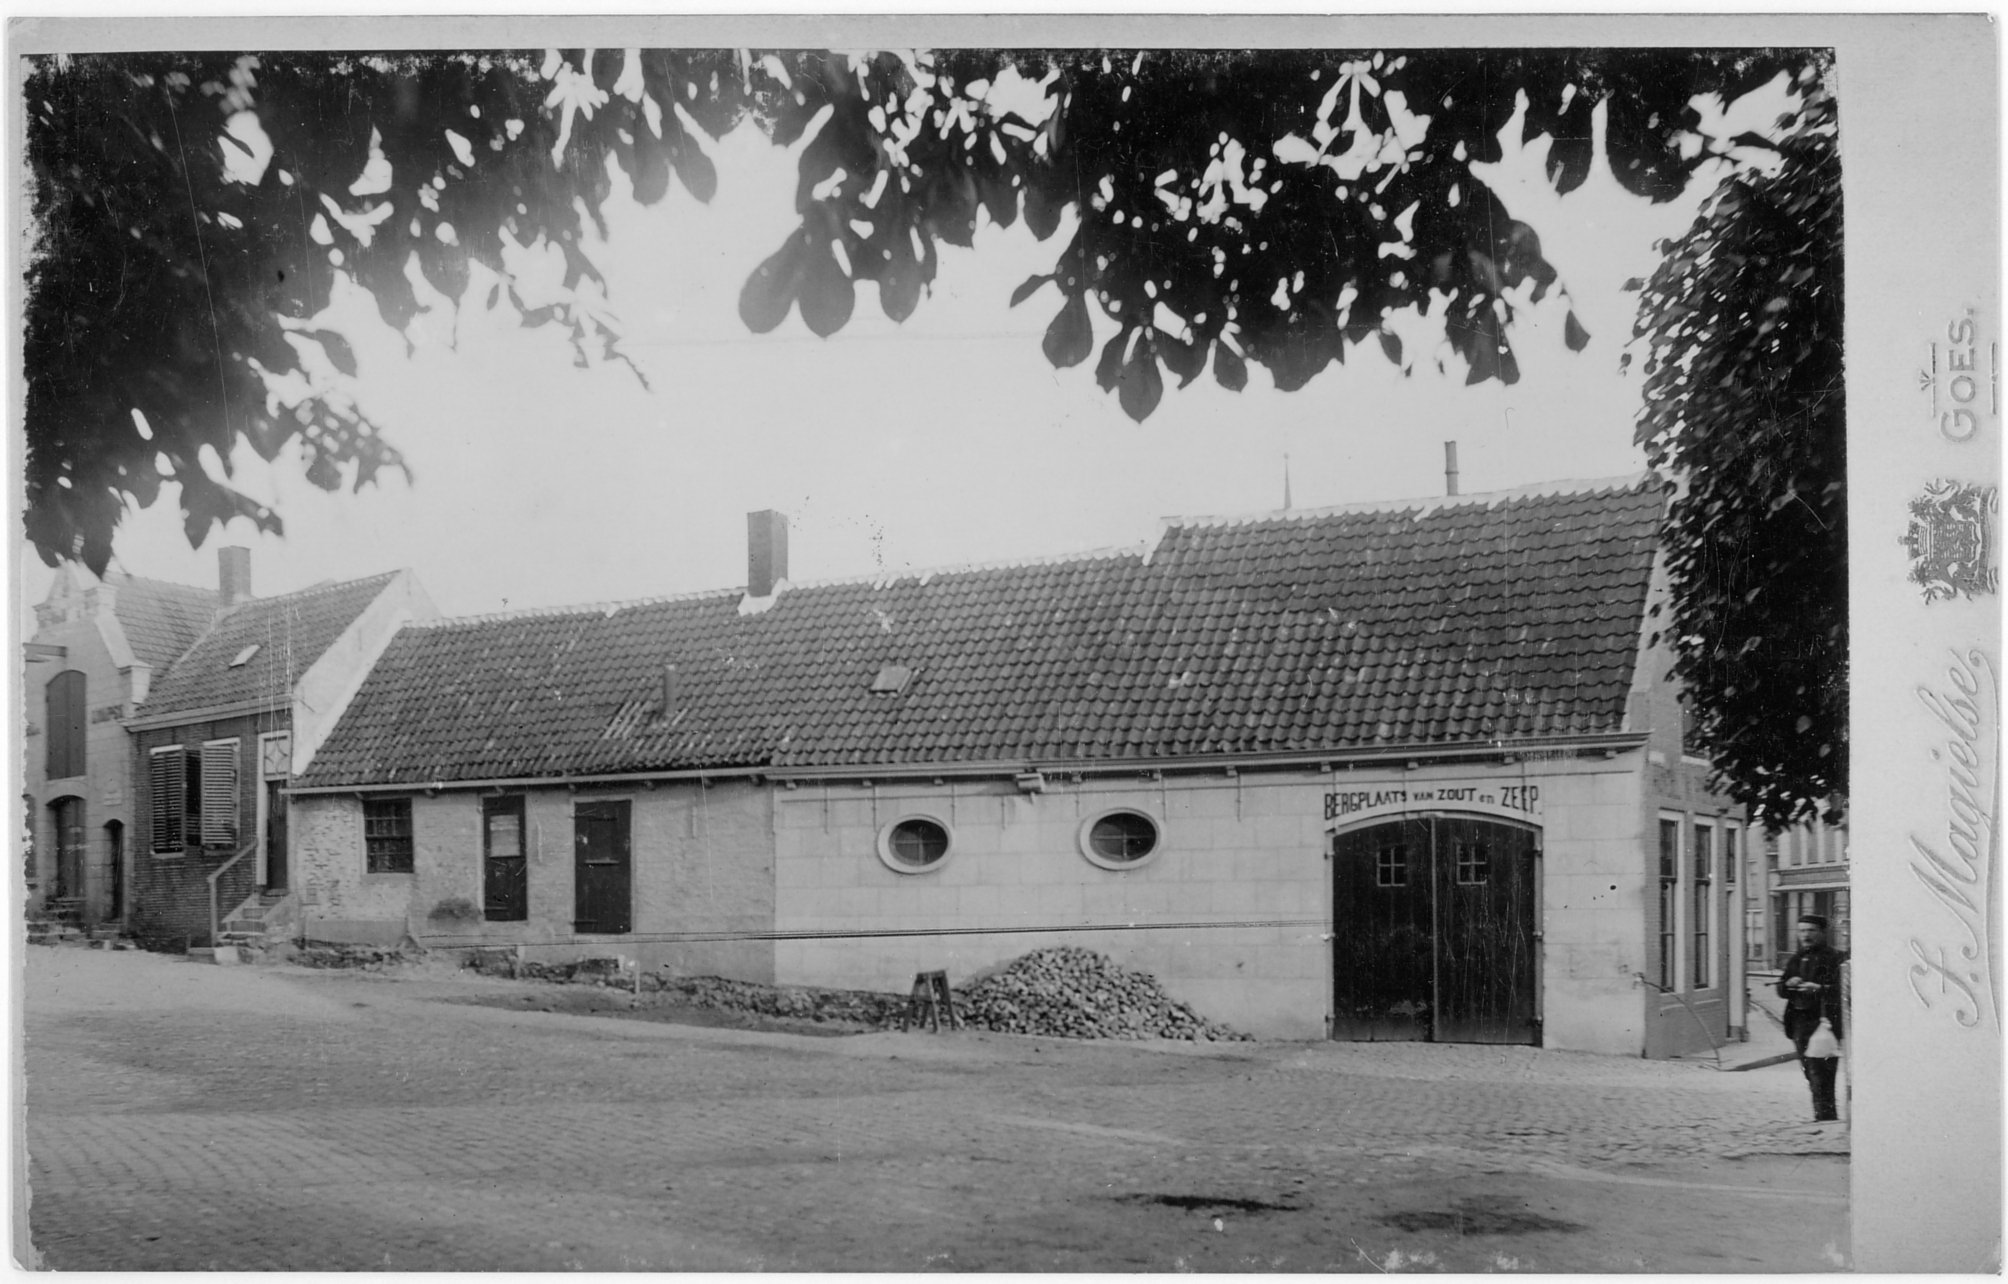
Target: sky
<point>942,441</point>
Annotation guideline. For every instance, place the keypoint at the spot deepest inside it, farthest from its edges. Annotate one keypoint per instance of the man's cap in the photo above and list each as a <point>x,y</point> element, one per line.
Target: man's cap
<point>1817,920</point>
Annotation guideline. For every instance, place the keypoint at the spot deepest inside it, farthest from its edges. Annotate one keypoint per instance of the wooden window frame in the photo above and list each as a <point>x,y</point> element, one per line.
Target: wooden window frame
<point>1669,902</point>
<point>1703,887</point>
<point>393,852</point>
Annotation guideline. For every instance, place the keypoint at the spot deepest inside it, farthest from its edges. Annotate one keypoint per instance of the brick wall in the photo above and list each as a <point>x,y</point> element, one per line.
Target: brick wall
<point>701,861</point>
<point>170,892</point>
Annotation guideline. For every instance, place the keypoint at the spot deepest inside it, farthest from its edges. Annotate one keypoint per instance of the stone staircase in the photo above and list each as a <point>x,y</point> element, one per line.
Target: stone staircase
<point>61,922</point>
<point>260,928</point>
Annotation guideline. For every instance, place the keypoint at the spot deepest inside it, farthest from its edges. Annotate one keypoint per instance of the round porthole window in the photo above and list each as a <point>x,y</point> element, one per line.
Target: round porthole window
<point>1120,839</point>
<point>914,845</point>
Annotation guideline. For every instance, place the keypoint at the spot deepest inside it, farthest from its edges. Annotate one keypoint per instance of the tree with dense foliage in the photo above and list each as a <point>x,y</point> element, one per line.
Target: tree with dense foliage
<point>1274,208</point>
<point>1746,406</point>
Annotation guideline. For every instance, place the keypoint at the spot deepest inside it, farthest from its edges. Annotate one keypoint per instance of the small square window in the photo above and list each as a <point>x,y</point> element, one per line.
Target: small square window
<point>1391,867</point>
<point>1474,864</point>
<point>387,835</point>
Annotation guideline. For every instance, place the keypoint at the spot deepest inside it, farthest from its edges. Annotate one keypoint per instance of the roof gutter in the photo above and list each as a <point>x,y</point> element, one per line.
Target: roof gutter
<point>1607,744</point>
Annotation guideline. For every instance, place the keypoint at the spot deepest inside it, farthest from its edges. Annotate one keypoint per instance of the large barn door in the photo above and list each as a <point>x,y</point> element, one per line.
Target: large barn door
<point>1485,940</point>
<point>1433,931</point>
<point>1382,940</point>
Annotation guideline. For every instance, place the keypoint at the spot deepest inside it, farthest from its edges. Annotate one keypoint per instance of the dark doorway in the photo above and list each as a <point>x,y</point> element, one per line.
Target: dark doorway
<point>602,887</point>
<point>275,835</point>
<point>505,885</point>
<point>67,814</point>
<point>1433,931</point>
<point>115,856</point>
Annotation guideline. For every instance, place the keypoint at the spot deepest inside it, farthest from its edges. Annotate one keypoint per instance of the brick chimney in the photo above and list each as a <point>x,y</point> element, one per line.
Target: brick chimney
<point>766,552</point>
<point>1450,468</point>
<point>233,574</point>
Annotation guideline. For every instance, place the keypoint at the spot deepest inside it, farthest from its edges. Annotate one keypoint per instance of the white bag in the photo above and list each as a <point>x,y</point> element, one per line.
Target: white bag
<point>1823,1044</point>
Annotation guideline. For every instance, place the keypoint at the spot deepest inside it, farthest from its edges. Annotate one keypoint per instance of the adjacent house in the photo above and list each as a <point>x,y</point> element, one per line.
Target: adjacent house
<point>1388,771</point>
<point>1804,871</point>
<point>227,726</point>
<point>98,643</point>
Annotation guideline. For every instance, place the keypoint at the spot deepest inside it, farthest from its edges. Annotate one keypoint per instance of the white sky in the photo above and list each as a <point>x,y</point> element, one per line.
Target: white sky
<point>944,440</point>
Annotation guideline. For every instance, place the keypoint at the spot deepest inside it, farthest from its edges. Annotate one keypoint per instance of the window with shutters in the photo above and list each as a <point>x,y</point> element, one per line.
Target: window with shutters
<point>387,835</point>
<point>219,805</point>
<point>167,790</point>
<point>66,725</point>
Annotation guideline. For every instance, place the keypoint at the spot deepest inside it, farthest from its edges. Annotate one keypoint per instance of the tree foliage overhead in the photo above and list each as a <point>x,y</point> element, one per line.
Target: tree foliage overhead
<point>1745,405</point>
<point>1230,208</point>
<point>193,213</point>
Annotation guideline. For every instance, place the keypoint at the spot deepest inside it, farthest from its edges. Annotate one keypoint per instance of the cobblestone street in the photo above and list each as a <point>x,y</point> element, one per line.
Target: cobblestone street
<point>190,1117</point>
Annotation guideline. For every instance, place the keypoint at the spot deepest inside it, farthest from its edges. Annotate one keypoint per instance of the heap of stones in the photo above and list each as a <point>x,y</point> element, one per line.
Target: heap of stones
<point>1075,993</point>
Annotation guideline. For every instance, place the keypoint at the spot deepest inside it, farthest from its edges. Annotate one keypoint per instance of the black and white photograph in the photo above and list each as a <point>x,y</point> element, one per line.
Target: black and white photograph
<point>903,644</point>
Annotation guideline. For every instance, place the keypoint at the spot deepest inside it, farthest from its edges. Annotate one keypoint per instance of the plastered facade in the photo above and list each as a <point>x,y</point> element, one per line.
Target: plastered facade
<point>1231,914</point>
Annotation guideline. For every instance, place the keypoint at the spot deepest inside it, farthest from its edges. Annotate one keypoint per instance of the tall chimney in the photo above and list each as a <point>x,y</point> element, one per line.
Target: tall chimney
<point>233,574</point>
<point>1450,468</point>
<point>766,551</point>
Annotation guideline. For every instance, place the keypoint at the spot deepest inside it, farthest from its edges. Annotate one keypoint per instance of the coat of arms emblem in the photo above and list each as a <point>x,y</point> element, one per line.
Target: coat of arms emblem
<point>1951,540</point>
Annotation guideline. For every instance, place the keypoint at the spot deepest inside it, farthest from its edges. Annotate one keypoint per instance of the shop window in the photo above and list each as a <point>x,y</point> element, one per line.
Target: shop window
<point>1704,873</point>
<point>914,844</point>
<point>1474,863</point>
<point>387,835</point>
<point>65,729</point>
<point>1120,839</point>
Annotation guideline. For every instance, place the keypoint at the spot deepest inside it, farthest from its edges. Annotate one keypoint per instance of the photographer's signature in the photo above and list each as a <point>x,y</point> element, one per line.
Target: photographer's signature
<point>1958,872</point>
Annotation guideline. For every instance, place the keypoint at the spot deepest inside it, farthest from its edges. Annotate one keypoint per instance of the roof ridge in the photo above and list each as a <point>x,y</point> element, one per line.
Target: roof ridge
<point>330,586</point>
<point>1428,503</point>
<point>1105,553</point>
<point>575,608</point>
<point>128,578</point>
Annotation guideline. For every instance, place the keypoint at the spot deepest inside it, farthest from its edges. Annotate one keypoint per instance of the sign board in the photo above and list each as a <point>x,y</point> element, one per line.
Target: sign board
<point>1513,799</point>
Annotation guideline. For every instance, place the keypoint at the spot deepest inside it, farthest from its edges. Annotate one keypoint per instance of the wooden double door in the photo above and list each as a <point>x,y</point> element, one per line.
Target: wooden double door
<point>1435,930</point>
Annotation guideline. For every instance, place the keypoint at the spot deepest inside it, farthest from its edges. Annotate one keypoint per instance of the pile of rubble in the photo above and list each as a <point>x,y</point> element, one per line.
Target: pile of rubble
<point>364,958</point>
<point>801,1002</point>
<point>1075,993</point>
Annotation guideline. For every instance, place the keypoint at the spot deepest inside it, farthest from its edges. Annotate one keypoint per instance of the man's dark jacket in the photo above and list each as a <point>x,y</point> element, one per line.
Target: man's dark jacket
<point>1820,964</point>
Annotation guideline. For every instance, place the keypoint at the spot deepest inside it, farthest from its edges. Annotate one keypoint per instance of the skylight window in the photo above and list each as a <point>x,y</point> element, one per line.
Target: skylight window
<point>891,680</point>
<point>244,656</point>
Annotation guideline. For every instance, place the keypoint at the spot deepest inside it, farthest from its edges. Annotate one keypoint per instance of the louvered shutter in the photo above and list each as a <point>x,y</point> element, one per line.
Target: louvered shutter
<point>166,781</point>
<point>219,793</point>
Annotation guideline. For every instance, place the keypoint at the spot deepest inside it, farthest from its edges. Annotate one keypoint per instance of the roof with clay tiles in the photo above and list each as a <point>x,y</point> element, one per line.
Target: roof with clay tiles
<point>1479,618</point>
<point>290,632</point>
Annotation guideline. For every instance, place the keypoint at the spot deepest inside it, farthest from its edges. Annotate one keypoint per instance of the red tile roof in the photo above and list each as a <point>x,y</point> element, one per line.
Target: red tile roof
<point>161,620</point>
<point>291,632</point>
<point>1477,618</point>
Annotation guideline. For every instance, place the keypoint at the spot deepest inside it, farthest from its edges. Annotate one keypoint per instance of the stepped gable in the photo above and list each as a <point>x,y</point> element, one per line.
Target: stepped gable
<point>1477,618</point>
<point>161,620</point>
<point>291,632</point>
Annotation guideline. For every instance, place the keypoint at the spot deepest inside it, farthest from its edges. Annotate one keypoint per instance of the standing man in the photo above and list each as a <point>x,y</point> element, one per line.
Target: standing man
<point>1811,988</point>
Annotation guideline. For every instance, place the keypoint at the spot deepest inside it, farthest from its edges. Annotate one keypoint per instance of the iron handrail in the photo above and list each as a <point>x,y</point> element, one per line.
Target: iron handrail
<point>215,912</point>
